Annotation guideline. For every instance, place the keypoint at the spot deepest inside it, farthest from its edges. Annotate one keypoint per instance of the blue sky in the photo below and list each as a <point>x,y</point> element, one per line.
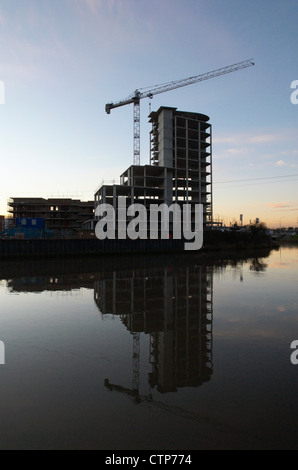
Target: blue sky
<point>63,60</point>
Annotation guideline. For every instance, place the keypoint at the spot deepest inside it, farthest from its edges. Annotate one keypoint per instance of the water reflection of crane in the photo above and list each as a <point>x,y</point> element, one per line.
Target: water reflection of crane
<point>131,392</point>
<point>136,362</point>
<point>148,399</point>
<point>138,399</point>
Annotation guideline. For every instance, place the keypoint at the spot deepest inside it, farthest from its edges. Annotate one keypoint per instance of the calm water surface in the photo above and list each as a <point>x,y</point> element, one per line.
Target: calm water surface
<point>178,352</point>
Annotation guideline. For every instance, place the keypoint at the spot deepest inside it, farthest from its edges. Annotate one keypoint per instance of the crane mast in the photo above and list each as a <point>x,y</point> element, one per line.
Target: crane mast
<point>136,97</point>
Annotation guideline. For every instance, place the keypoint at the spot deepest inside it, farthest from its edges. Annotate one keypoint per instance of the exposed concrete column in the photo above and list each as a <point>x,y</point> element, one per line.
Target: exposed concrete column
<point>95,201</point>
<point>145,182</point>
<point>211,177</point>
<point>200,164</point>
<point>114,197</point>
<point>186,162</point>
<point>165,138</point>
<point>168,186</point>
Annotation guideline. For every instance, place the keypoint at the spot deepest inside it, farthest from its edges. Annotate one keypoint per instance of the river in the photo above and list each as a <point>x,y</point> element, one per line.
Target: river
<point>170,352</point>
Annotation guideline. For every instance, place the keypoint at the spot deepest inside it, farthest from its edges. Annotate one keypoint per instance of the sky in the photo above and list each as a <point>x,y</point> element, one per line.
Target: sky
<point>61,61</point>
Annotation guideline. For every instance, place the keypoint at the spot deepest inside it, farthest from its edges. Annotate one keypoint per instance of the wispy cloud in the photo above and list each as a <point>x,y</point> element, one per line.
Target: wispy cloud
<point>237,151</point>
<point>98,6</point>
<point>93,5</point>
<point>283,206</point>
<point>264,138</point>
<point>290,152</point>
<point>280,163</point>
<point>278,205</point>
<point>112,23</point>
<point>259,149</point>
<point>23,72</point>
<point>248,138</point>
<point>30,43</point>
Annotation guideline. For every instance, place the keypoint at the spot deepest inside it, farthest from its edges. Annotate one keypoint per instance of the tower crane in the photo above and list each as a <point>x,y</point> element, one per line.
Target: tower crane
<point>137,95</point>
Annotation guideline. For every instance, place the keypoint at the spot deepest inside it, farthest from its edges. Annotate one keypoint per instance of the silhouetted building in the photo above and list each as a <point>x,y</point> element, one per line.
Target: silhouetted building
<point>59,214</point>
<point>180,169</point>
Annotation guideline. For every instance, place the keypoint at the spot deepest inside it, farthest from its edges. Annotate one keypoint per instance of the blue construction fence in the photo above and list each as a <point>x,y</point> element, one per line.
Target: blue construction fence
<point>32,228</point>
<point>34,233</point>
<point>30,223</point>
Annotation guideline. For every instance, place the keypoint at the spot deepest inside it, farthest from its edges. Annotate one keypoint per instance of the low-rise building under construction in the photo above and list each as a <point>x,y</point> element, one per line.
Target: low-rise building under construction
<point>59,214</point>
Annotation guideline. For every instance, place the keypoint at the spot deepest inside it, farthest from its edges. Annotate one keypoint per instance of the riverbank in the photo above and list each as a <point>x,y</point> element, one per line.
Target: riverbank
<point>236,240</point>
<point>213,241</point>
<point>87,266</point>
<point>288,239</point>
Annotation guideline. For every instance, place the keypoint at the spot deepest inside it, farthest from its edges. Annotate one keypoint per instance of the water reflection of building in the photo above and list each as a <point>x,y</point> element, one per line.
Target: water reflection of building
<point>173,306</point>
<point>170,300</point>
<point>58,282</point>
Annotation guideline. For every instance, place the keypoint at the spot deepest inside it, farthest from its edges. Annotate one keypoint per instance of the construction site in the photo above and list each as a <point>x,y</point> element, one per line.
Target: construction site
<point>179,173</point>
<point>180,170</point>
<point>58,213</point>
<point>181,165</point>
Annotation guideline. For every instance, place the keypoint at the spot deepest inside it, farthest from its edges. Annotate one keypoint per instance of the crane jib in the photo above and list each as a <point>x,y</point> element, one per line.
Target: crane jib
<point>137,96</point>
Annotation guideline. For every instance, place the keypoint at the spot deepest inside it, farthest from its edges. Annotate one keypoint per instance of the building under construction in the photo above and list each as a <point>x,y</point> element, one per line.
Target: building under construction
<point>180,169</point>
<point>59,214</point>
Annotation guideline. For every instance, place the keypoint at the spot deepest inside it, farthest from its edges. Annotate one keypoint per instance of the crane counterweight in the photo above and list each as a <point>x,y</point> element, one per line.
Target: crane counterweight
<point>108,108</point>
